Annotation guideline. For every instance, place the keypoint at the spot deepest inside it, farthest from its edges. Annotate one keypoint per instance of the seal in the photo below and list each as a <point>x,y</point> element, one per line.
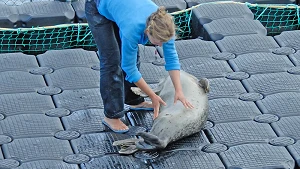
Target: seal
<point>174,120</point>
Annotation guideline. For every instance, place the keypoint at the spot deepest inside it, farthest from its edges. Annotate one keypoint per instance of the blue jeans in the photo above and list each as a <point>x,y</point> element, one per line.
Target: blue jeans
<point>114,89</point>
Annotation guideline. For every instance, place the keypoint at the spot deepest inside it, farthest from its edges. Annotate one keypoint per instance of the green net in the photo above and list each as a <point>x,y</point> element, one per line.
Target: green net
<point>182,20</point>
<point>40,39</point>
<point>276,19</point>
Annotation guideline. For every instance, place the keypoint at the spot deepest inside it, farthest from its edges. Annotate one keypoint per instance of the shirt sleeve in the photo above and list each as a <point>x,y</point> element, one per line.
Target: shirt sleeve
<point>129,60</point>
<point>170,55</point>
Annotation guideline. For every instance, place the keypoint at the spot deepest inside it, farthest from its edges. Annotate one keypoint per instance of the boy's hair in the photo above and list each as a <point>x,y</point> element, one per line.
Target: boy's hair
<point>161,25</point>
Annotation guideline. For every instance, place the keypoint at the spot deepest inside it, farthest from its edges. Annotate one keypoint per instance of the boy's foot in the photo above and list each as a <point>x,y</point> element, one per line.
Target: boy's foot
<point>115,125</point>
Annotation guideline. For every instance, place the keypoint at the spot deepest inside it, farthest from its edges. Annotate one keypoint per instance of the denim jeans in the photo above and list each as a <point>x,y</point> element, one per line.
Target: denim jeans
<point>114,89</point>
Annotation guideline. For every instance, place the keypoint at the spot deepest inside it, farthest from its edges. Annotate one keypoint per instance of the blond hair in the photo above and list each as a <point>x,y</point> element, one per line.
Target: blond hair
<point>161,25</point>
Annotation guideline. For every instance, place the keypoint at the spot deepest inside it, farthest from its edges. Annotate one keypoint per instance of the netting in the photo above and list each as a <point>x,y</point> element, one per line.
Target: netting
<point>36,40</point>
<point>276,19</point>
<point>182,20</point>
<point>40,39</point>
<point>66,36</point>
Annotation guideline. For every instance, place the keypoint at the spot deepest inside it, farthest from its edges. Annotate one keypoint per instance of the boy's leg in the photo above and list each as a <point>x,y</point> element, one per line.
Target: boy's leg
<point>130,97</point>
<point>111,76</point>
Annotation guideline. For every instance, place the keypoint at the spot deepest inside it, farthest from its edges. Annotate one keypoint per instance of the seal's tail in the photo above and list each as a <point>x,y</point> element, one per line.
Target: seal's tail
<point>151,142</point>
<point>127,145</point>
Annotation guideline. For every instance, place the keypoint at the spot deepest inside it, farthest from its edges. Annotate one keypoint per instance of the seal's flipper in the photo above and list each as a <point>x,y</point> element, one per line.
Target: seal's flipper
<point>156,90</point>
<point>128,150</point>
<point>204,83</point>
<point>141,145</point>
<point>126,142</point>
<point>138,91</point>
<point>153,141</point>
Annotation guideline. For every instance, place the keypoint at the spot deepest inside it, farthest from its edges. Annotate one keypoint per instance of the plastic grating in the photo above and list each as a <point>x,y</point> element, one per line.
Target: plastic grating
<point>214,148</point>
<point>79,8</point>
<point>281,104</point>
<point>79,99</point>
<point>200,67</point>
<point>58,112</point>
<point>10,82</point>
<point>194,48</point>
<point>251,96</point>
<point>23,103</point>
<point>254,63</point>
<point>115,161</point>
<point>9,163</point>
<point>244,44</point>
<point>49,90</point>
<point>17,62</point>
<point>53,164</point>
<point>8,16</point>
<point>229,110</point>
<point>77,158</point>
<point>146,155</point>
<point>284,51</point>
<point>295,58</point>
<point>223,56</point>
<point>266,118</point>
<point>41,71</point>
<point>67,135</point>
<point>295,152</point>
<point>237,75</point>
<point>46,13</point>
<point>222,87</point>
<point>218,29</point>
<point>42,148</point>
<point>171,5</point>
<point>194,141</point>
<point>242,132</point>
<point>272,83</point>
<point>85,121</point>
<point>58,59</point>
<point>257,156</point>
<point>97,144</point>
<point>209,12</point>
<point>148,54</point>
<point>152,73</point>
<point>289,39</point>
<point>28,125</point>
<point>74,78</point>
<point>194,159</point>
<point>294,70</point>
<point>144,119</point>
<point>288,127</point>
<point>282,141</point>
<point>16,2</point>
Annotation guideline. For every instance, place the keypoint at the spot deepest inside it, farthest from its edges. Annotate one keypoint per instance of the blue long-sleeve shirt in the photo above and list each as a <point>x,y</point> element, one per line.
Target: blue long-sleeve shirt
<point>131,16</point>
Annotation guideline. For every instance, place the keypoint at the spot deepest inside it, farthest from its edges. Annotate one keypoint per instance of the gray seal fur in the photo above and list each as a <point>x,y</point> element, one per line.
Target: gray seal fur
<point>174,120</point>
